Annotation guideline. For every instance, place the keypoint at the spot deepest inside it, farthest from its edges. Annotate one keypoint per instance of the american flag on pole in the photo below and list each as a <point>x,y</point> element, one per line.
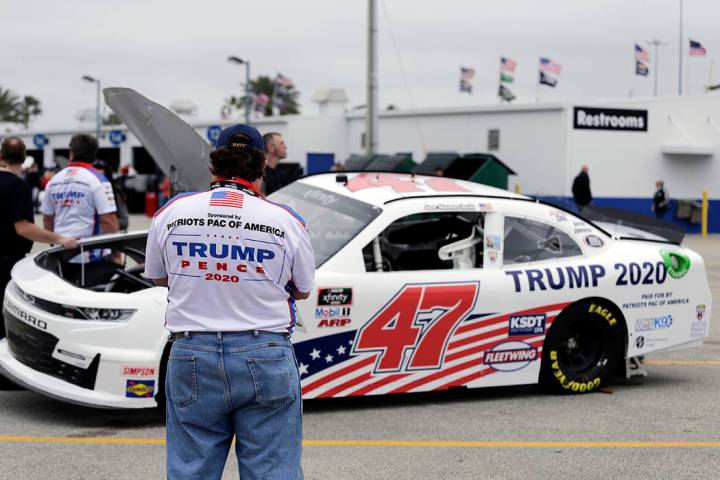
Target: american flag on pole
<point>466,76</point>
<point>329,366</point>
<point>225,198</point>
<point>696,49</point>
<point>507,64</point>
<point>641,54</point>
<point>547,65</point>
<point>260,101</point>
<point>283,81</point>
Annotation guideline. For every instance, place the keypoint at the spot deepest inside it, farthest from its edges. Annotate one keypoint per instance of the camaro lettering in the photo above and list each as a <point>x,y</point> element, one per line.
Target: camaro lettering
<point>24,316</point>
<point>236,252</point>
<point>583,276</point>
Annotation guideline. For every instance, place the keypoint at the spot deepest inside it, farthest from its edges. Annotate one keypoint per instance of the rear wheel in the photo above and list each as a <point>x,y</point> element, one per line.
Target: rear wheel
<point>583,347</point>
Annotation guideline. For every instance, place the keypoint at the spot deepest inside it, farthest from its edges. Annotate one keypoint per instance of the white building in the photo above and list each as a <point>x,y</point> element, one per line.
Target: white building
<point>626,144</point>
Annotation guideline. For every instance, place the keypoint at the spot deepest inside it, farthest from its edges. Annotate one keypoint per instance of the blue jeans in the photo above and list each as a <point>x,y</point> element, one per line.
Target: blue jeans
<point>233,385</point>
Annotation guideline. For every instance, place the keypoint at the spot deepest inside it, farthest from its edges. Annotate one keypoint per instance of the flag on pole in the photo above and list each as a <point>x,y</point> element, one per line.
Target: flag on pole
<point>466,76</point>
<point>506,77</point>
<point>281,89</point>
<point>641,69</point>
<point>696,49</point>
<point>641,54</point>
<point>507,64</point>
<point>260,101</point>
<point>546,79</point>
<point>505,94</point>
<point>547,65</point>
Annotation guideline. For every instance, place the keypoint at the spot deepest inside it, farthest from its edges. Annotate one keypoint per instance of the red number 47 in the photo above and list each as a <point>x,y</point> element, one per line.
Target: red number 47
<point>400,327</point>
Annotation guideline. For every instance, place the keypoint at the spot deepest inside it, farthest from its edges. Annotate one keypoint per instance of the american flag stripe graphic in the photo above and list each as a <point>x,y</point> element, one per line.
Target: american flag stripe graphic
<point>226,199</point>
<point>463,361</point>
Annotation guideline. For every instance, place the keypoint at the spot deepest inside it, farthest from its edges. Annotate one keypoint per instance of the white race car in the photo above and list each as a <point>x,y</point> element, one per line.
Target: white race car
<point>423,283</point>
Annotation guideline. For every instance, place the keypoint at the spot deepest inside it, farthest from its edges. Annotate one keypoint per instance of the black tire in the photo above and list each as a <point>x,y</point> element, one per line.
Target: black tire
<point>583,347</point>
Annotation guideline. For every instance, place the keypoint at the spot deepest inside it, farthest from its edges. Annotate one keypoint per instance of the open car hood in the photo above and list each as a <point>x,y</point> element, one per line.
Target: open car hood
<point>175,146</point>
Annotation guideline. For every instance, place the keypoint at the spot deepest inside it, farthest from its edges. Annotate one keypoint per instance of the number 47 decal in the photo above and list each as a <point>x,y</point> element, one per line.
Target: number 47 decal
<point>420,318</point>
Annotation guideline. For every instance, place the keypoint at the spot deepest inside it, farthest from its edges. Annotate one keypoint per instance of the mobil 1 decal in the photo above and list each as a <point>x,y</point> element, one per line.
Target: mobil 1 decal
<point>589,276</point>
<point>412,330</point>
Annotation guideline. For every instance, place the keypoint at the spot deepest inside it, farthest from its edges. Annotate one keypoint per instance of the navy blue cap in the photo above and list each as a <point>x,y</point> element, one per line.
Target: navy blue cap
<point>241,136</point>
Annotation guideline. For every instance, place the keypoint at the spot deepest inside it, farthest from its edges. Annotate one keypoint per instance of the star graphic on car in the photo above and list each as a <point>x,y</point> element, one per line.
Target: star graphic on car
<point>328,358</point>
<point>341,349</point>
<point>303,369</point>
<point>315,354</point>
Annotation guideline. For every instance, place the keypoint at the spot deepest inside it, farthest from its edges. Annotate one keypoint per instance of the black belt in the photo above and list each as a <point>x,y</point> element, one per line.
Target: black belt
<point>177,335</point>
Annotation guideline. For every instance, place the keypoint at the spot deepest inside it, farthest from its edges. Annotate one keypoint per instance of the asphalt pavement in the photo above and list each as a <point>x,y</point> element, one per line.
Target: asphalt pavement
<point>662,427</point>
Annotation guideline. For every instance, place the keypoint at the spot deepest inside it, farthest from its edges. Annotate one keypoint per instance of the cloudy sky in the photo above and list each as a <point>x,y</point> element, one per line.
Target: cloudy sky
<point>171,50</point>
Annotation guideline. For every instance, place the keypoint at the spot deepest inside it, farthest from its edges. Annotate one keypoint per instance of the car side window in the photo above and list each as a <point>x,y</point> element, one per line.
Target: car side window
<point>428,241</point>
<point>530,241</point>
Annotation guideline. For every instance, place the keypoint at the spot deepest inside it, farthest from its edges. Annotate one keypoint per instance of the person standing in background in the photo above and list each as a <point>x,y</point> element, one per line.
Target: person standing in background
<point>275,150</point>
<point>17,228</point>
<point>581,189</point>
<point>661,200</point>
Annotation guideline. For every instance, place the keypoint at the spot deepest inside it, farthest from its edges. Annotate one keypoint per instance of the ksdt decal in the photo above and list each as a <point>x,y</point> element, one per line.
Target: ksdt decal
<point>531,324</point>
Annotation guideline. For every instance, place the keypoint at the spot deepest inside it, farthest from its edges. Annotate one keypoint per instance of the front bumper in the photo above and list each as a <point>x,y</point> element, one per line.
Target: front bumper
<point>59,389</point>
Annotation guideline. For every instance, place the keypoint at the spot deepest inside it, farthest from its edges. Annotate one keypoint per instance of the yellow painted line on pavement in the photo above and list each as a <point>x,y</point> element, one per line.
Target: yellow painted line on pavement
<point>378,443</point>
<point>683,362</point>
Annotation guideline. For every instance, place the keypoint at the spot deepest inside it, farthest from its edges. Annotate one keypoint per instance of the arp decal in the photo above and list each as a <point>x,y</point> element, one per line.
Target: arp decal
<point>140,388</point>
<point>510,356</point>
<point>334,296</point>
<point>412,331</point>
<point>334,322</point>
<point>528,324</point>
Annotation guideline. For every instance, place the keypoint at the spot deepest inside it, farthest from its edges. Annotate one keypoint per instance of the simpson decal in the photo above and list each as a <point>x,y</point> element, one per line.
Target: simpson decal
<point>128,371</point>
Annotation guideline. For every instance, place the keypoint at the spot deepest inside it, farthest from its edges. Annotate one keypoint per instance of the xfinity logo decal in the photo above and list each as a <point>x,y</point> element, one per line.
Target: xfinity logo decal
<point>587,118</point>
<point>335,296</point>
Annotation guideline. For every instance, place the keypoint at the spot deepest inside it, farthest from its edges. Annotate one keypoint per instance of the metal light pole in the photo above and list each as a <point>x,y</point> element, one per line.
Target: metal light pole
<point>656,43</point>
<point>371,112</point>
<point>98,100</point>
<point>680,51</point>
<point>240,61</point>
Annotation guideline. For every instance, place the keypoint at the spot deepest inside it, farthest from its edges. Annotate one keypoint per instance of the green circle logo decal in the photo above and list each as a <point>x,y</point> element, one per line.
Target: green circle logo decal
<point>677,264</point>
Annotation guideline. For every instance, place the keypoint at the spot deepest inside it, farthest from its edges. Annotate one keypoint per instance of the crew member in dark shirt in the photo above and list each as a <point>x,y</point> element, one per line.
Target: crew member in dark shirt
<point>661,200</point>
<point>17,230</point>
<point>275,150</point>
<point>581,189</point>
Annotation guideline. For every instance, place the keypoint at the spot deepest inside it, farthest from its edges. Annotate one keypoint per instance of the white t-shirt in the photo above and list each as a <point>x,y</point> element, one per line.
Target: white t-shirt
<point>228,256</point>
<point>76,196</point>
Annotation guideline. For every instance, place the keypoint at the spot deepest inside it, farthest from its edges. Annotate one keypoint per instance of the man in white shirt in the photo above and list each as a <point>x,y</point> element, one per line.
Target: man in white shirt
<point>234,263</point>
<point>79,200</point>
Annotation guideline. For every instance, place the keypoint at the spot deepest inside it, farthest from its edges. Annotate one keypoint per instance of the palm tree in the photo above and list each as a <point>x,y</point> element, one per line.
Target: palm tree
<point>14,109</point>
<point>287,103</point>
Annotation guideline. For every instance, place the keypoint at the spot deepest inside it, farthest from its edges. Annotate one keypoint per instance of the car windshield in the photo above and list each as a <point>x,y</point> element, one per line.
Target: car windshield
<point>332,219</point>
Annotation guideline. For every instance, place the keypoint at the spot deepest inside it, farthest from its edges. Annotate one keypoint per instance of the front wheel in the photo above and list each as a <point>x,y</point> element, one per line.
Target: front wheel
<point>583,347</point>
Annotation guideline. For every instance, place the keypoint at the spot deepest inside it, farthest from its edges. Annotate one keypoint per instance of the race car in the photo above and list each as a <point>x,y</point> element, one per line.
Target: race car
<point>423,283</point>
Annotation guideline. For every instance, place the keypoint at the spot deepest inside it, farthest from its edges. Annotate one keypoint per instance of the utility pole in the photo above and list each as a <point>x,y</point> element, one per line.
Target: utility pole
<point>248,100</point>
<point>656,43</point>
<point>98,102</point>
<point>371,112</point>
<point>680,51</point>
